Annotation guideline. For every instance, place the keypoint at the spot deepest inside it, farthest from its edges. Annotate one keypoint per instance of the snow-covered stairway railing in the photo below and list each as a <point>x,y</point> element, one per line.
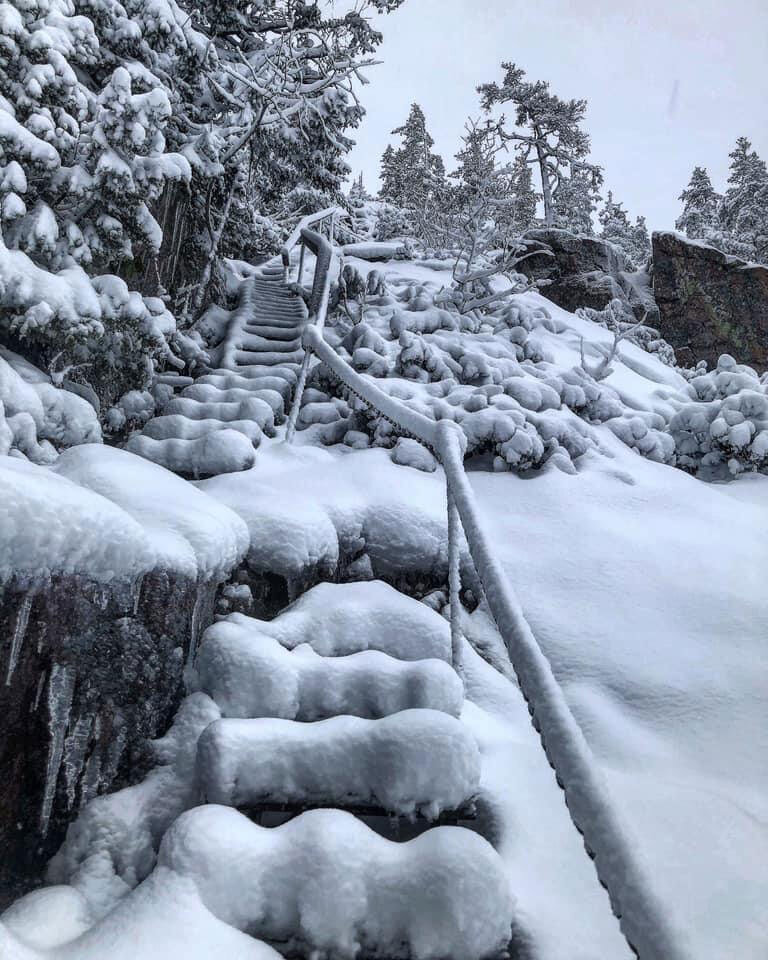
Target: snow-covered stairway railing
<point>323,220</point>
<point>643,919</point>
<point>322,248</point>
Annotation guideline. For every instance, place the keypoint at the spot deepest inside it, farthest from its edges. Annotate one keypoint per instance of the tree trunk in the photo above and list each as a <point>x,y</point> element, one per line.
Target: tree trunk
<point>197,300</point>
<point>546,187</point>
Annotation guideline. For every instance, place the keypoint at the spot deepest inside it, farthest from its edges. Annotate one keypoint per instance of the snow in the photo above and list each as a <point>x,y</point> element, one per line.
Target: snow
<point>654,621</point>
<point>52,525</point>
<point>411,453</point>
<point>218,450</point>
<point>190,533</point>
<point>338,619</point>
<point>165,917</point>
<point>373,252</point>
<point>415,761</point>
<point>60,416</point>
<point>326,505</point>
<point>399,899</point>
<point>251,675</point>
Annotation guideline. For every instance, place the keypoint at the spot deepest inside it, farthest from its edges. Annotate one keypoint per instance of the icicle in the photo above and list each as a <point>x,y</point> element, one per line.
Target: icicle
<point>114,754</point>
<point>22,620</point>
<point>194,628</point>
<point>40,682</point>
<point>75,747</point>
<point>92,777</point>
<point>61,687</point>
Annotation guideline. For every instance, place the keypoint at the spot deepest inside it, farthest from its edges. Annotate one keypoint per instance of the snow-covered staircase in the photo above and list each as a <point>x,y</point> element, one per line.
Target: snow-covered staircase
<point>216,423</point>
<point>356,724</point>
<point>366,730</point>
<point>346,699</point>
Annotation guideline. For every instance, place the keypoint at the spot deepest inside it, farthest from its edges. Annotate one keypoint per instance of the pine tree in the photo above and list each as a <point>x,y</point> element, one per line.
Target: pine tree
<point>525,198</point>
<point>83,156</point>
<point>699,219</point>
<point>744,211</point>
<point>550,134</point>
<point>575,202</point>
<point>617,229</point>
<point>390,175</point>
<point>413,177</point>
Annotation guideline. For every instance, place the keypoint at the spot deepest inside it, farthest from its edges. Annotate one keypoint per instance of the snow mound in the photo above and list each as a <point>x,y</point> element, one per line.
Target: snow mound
<point>250,675</point>
<point>36,418</point>
<point>330,508</point>
<point>724,430</point>
<point>411,453</point>
<point>50,525</point>
<point>336,619</point>
<point>326,881</point>
<point>191,533</point>
<point>416,761</point>
<point>164,917</point>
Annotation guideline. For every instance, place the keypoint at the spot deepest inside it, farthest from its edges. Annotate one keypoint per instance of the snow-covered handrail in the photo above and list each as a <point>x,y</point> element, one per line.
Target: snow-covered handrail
<point>318,307</point>
<point>643,919</point>
<point>311,220</point>
<point>408,421</point>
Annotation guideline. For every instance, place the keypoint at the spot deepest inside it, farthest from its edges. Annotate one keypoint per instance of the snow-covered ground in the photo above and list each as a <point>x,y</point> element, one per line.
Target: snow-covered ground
<point>643,585</point>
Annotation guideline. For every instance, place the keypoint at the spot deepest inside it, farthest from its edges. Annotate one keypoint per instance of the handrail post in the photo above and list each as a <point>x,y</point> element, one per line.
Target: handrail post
<point>301,262</point>
<point>297,397</point>
<point>454,579</point>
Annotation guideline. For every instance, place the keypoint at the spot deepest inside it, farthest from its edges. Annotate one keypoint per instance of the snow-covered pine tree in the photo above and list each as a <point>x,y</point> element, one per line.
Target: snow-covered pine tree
<point>82,157</point>
<point>744,210</point>
<point>525,198</point>
<point>502,192</point>
<point>549,133</point>
<point>617,229</point>
<point>699,219</point>
<point>575,201</point>
<point>413,177</point>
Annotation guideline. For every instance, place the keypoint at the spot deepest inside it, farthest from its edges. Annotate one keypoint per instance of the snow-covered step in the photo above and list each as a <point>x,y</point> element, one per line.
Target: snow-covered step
<point>328,883</point>
<point>256,371</point>
<point>415,761</point>
<point>251,409</point>
<point>251,675</point>
<point>207,393</point>
<point>218,451</point>
<point>245,357</point>
<point>259,362</point>
<point>174,426</point>
<point>230,380</point>
<point>336,619</point>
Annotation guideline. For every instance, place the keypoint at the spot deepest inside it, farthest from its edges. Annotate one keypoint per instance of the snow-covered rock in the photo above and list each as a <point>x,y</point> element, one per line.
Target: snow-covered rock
<point>190,532</point>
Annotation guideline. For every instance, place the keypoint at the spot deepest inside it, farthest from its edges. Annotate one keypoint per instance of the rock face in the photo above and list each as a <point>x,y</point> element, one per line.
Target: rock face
<point>586,272</point>
<point>710,303</point>
<point>87,674</point>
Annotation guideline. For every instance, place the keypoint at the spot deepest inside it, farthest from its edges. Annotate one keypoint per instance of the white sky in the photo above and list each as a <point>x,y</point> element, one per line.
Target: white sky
<point>670,83</point>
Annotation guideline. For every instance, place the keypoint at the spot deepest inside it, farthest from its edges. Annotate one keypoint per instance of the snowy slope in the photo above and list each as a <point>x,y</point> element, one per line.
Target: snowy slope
<point>644,586</point>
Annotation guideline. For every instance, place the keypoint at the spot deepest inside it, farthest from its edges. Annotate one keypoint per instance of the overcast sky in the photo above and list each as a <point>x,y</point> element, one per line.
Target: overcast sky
<point>670,83</point>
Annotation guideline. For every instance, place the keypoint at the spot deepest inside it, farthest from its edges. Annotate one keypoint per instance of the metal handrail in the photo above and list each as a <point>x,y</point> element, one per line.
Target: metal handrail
<point>642,918</point>
<point>318,307</point>
<point>296,235</point>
